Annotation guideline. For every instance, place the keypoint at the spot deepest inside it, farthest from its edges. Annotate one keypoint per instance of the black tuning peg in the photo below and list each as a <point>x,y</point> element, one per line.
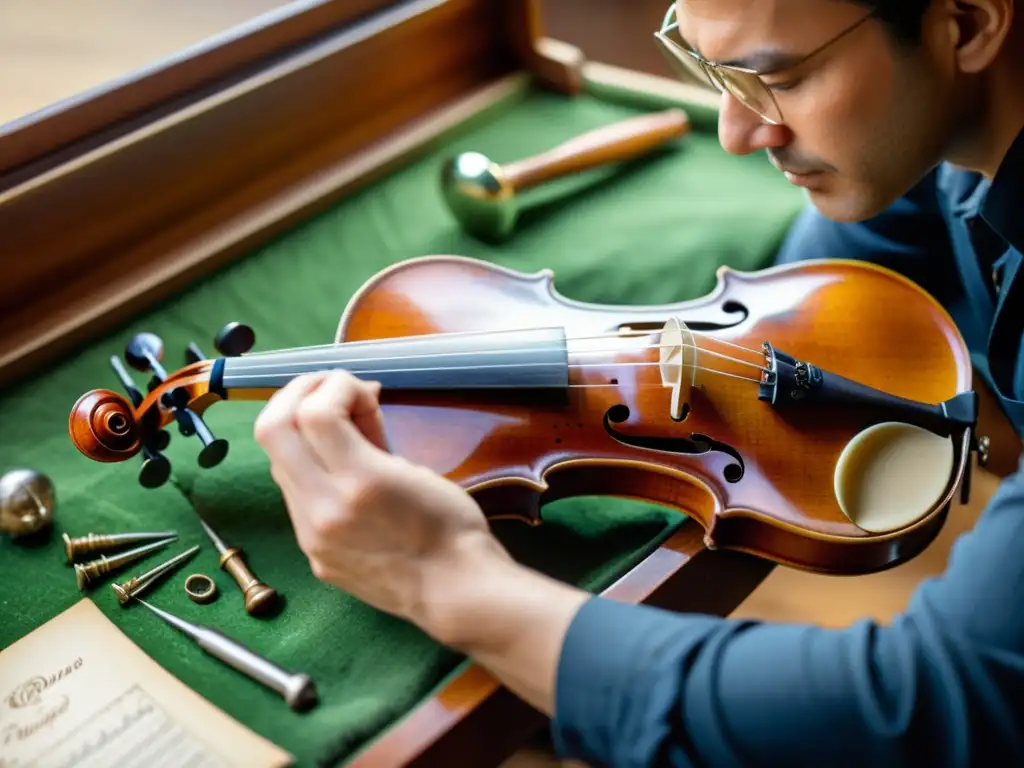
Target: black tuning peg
<point>193,354</point>
<point>234,339</point>
<point>155,467</point>
<point>144,353</point>
<point>214,449</point>
<point>191,423</point>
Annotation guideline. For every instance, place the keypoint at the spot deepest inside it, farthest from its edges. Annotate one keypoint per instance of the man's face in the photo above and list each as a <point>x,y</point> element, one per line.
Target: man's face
<point>862,121</point>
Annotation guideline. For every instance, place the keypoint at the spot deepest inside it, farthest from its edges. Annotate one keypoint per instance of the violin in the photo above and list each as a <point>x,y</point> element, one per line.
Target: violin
<point>819,414</point>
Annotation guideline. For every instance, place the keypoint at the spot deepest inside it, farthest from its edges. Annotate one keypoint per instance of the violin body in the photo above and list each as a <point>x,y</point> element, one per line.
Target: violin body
<point>667,404</point>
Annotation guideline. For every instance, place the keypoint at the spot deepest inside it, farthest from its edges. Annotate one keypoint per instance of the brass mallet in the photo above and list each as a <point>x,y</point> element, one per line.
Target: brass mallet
<point>483,196</point>
<point>259,598</point>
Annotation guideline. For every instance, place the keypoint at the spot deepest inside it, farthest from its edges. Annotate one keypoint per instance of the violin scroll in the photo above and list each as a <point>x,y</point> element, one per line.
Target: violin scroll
<point>102,426</point>
<point>108,427</point>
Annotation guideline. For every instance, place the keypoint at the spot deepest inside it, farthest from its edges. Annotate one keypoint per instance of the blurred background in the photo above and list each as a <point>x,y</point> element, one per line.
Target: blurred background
<point>51,50</point>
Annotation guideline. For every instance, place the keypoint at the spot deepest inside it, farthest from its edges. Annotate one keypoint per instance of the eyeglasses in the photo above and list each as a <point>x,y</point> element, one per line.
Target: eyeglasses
<point>745,84</point>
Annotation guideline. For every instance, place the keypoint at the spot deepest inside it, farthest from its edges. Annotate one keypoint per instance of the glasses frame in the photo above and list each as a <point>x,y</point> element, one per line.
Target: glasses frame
<point>695,64</point>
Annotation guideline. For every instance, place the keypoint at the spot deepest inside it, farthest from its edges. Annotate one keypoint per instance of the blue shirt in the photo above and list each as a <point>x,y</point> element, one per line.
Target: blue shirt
<point>943,684</point>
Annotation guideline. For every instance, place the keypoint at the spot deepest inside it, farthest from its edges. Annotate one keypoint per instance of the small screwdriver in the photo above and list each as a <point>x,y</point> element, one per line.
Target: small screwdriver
<point>298,690</point>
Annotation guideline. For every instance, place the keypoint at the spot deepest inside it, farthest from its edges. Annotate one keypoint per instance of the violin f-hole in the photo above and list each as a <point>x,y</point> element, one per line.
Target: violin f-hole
<point>693,445</point>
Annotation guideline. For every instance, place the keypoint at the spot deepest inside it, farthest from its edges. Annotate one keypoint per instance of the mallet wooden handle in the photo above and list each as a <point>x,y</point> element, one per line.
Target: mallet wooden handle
<point>617,142</point>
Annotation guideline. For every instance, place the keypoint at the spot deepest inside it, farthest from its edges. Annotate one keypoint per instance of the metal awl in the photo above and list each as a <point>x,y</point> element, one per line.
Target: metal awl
<point>298,690</point>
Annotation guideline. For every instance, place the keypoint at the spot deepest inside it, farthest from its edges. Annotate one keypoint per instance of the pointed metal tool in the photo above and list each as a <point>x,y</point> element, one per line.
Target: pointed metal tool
<point>136,585</point>
<point>88,573</point>
<point>296,689</point>
<point>77,548</point>
<point>259,598</point>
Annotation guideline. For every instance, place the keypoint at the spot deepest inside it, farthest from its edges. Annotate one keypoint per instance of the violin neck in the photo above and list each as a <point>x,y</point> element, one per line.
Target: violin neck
<point>519,359</point>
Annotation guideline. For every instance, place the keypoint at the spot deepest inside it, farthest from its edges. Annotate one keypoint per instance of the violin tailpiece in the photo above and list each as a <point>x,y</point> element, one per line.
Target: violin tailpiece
<point>789,382</point>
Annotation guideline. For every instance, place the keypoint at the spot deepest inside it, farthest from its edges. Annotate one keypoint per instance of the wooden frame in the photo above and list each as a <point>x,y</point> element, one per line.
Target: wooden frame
<point>110,202</point>
<point>113,225</point>
<point>101,110</point>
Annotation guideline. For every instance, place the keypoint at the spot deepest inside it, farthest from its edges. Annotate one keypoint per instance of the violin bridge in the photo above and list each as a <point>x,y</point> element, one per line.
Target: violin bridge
<point>677,361</point>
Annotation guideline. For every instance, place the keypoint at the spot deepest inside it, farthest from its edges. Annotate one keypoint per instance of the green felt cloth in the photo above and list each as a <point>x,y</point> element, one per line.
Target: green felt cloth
<point>649,233</point>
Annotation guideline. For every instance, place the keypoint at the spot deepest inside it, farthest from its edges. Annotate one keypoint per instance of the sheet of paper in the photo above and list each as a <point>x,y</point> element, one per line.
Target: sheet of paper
<point>78,693</point>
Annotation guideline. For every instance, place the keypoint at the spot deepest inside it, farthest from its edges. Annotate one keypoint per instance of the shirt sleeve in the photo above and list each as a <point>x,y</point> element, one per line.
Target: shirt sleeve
<point>941,685</point>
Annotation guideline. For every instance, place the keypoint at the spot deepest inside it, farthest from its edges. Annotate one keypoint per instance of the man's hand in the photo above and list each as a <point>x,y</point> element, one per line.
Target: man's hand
<point>371,523</point>
<point>406,540</point>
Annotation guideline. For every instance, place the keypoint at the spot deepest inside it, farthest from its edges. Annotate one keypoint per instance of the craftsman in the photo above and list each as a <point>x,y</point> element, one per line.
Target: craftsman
<point>903,127</point>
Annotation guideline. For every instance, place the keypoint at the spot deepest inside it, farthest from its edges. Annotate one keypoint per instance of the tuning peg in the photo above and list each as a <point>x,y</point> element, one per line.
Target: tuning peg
<point>234,339</point>
<point>144,353</point>
<point>214,448</point>
<point>191,423</point>
<point>155,467</point>
<point>193,354</point>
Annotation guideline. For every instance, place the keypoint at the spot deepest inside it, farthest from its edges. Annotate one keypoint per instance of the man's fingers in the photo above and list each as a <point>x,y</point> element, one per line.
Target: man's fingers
<point>333,417</point>
<point>368,416</point>
<point>276,430</point>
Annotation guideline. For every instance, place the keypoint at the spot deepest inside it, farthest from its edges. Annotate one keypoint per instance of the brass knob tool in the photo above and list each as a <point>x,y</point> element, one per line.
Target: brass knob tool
<point>259,598</point>
<point>27,498</point>
<point>298,690</point>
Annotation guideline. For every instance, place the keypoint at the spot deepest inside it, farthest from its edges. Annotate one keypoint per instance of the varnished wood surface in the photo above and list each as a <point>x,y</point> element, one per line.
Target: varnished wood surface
<point>784,506</point>
<point>767,486</point>
<point>133,274</point>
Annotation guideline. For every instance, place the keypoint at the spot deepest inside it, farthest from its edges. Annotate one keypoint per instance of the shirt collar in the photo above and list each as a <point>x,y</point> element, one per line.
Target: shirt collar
<point>1002,206</point>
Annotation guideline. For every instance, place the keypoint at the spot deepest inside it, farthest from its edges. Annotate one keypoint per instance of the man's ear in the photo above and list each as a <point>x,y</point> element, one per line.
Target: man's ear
<point>980,29</point>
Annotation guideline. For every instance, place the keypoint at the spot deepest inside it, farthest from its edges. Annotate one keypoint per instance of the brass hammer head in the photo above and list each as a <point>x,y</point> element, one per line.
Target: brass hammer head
<point>479,196</point>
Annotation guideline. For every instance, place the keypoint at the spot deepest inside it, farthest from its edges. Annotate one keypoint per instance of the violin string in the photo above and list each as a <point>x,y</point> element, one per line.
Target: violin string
<point>455,334</point>
<point>285,376</point>
<point>683,365</point>
<point>244,366</point>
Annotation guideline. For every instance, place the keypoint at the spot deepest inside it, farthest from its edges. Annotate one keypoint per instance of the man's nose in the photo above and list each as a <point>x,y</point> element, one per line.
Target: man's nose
<point>742,131</point>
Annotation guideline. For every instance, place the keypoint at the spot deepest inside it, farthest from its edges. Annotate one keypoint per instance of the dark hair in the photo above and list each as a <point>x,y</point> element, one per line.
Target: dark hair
<point>903,17</point>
